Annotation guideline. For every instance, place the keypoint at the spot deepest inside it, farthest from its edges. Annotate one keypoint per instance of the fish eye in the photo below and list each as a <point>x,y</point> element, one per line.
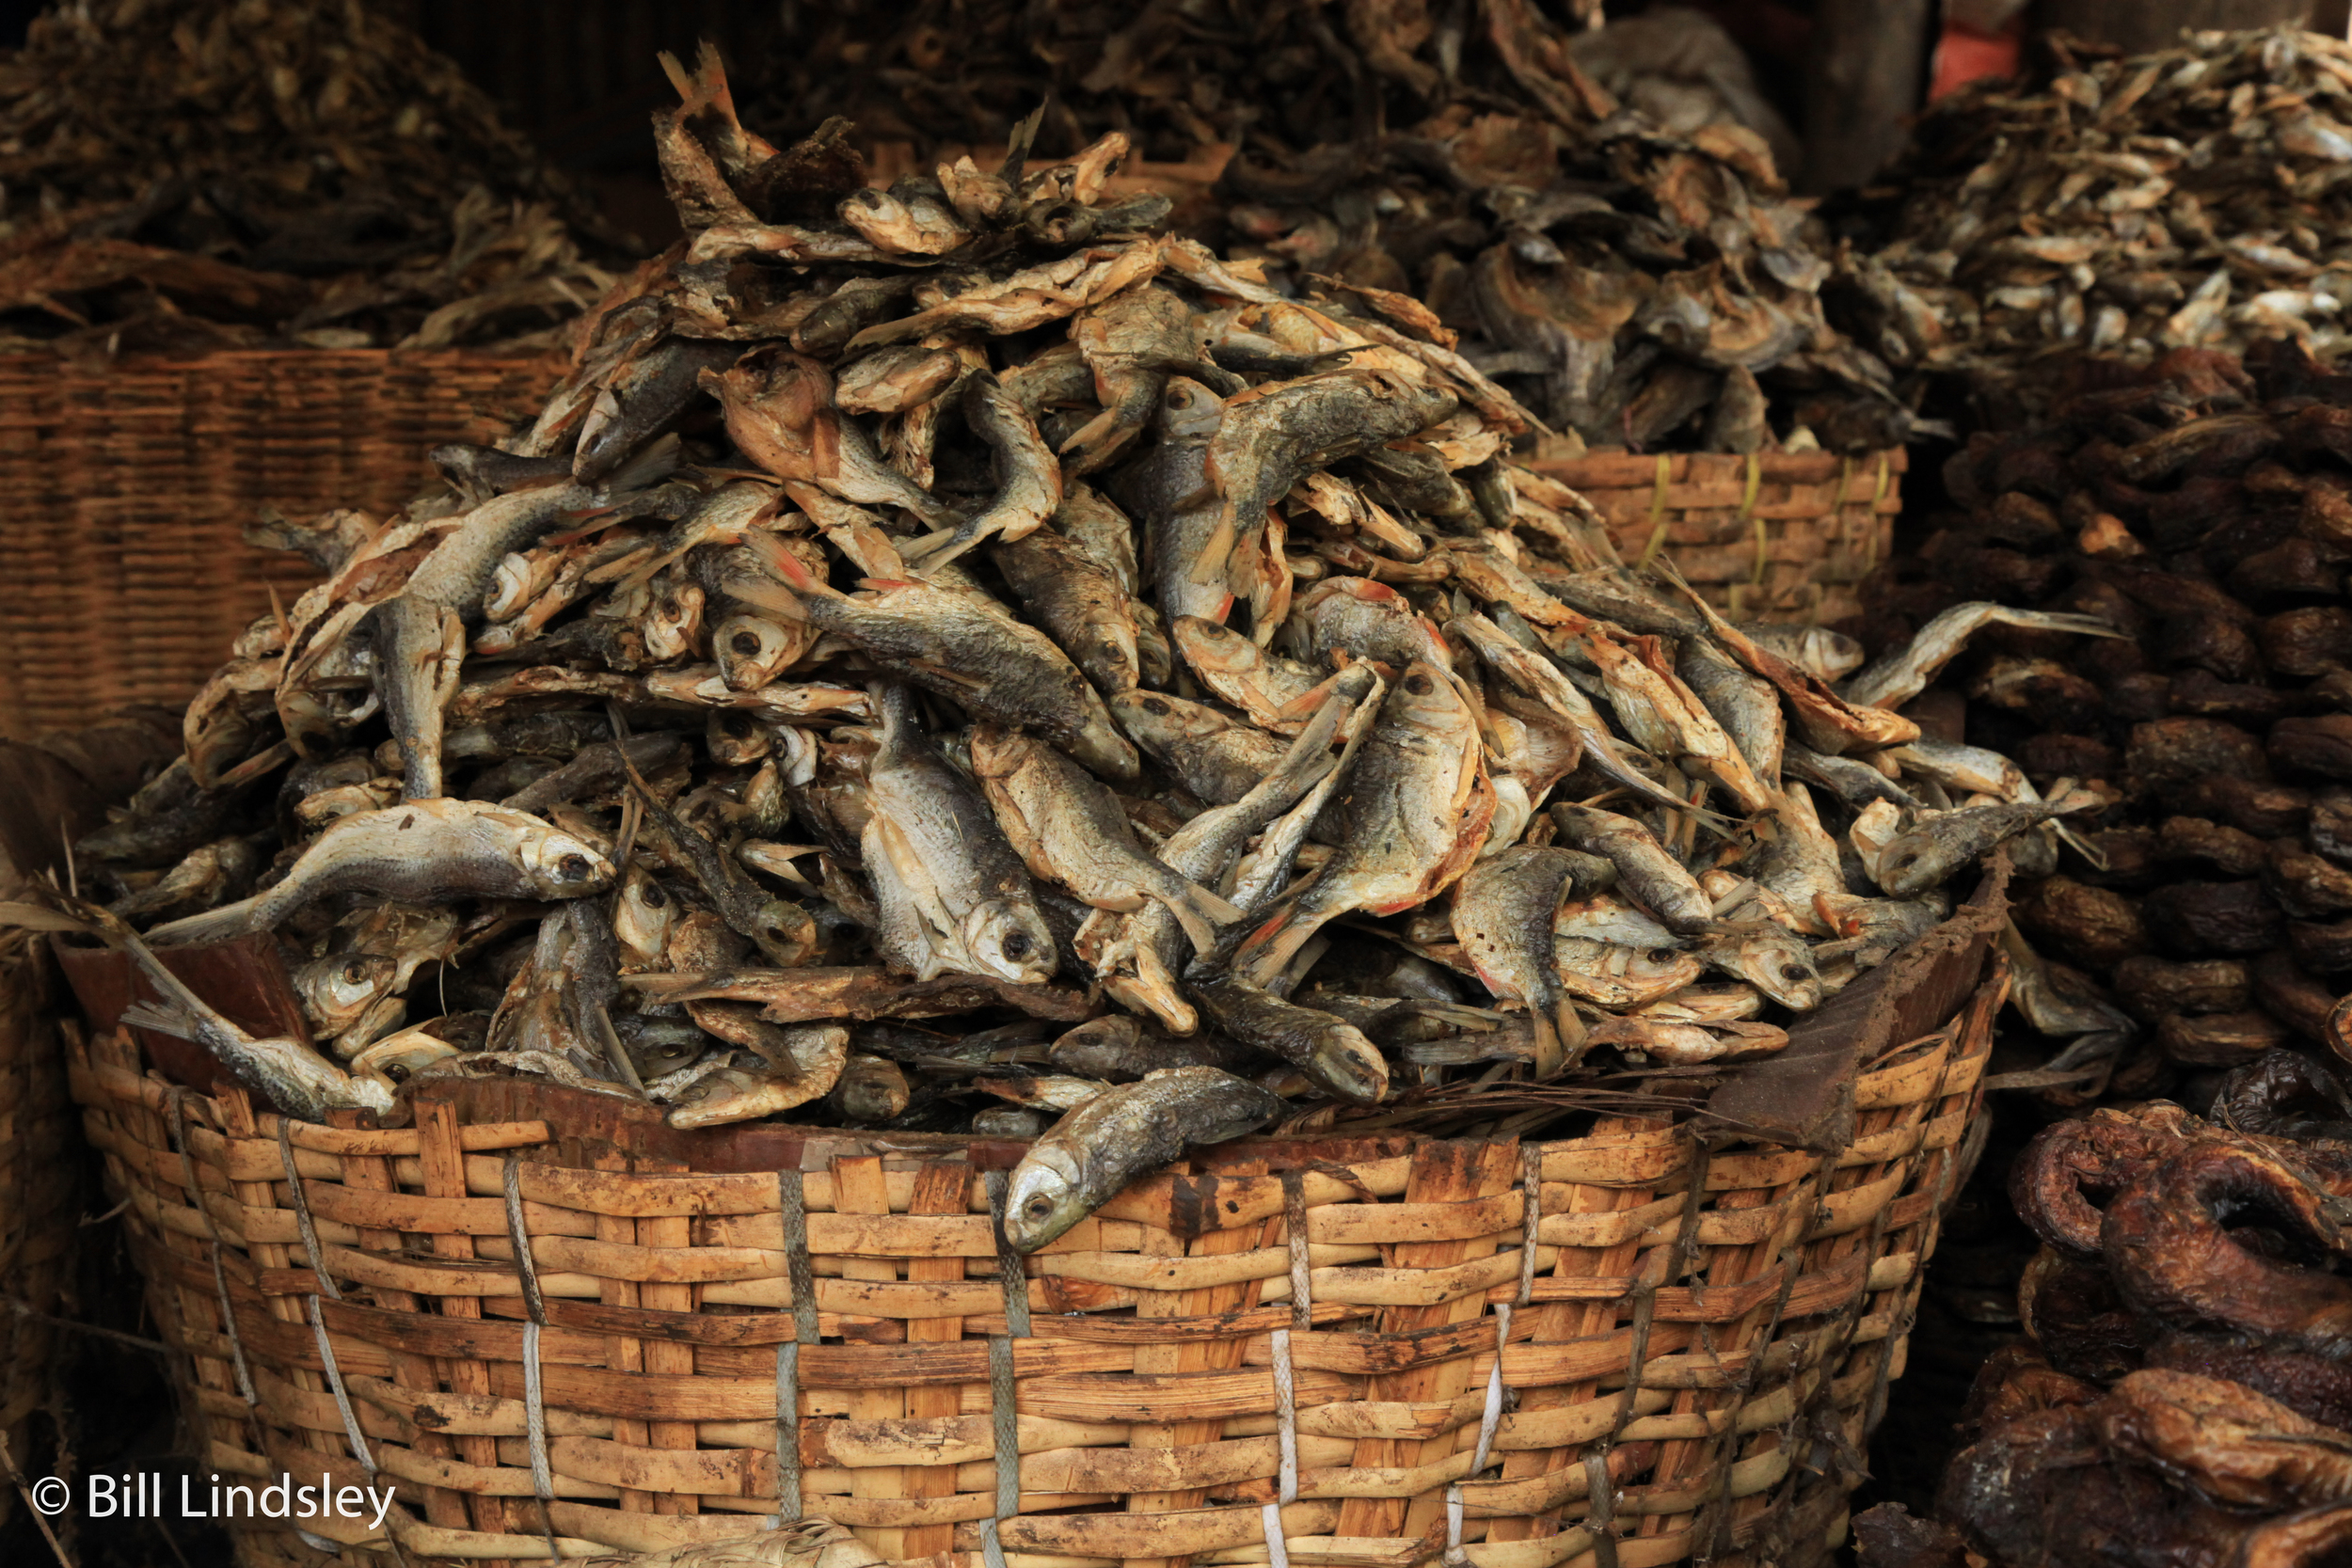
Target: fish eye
<point>1179,398</point>
<point>1153,705</point>
<point>1792,973</point>
<point>1417,685</point>
<point>746,643</point>
<point>1038,1207</point>
<point>1017,946</point>
<point>653,898</point>
<point>355,972</point>
<point>574,868</point>
<point>396,1072</point>
<point>1659,954</point>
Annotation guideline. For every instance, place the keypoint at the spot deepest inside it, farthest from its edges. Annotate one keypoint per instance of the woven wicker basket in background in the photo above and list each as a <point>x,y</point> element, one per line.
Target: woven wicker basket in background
<point>125,489</point>
<point>1775,536</point>
<point>557,1326</point>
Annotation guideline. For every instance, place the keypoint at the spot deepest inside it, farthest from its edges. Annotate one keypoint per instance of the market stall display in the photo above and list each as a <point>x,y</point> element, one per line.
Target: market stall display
<point>1158,849</point>
<point>712,745</point>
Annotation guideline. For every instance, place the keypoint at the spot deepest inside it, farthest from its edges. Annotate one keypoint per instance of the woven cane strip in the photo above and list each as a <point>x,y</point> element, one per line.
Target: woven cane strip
<point>1681,1311</point>
<point>1784,536</point>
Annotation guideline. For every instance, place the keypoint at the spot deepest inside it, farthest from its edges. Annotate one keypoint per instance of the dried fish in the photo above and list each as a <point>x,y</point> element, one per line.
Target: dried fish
<point>847,751</point>
<point>236,175</point>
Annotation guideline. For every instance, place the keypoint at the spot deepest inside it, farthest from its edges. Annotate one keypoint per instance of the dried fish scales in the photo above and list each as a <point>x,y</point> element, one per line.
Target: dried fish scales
<point>812,817</point>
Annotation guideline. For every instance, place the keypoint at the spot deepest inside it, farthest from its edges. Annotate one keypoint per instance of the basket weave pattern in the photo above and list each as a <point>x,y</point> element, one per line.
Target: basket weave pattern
<point>1776,536</point>
<point>127,488</point>
<point>1285,1353</point>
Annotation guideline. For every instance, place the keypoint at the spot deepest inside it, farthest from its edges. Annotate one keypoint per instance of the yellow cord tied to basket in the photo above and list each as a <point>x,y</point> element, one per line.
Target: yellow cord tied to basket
<point>1747,509</point>
<point>1656,515</point>
<point>1870,523</point>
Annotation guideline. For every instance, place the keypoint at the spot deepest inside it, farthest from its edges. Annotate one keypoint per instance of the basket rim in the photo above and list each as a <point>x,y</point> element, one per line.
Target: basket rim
<point>195,358</point>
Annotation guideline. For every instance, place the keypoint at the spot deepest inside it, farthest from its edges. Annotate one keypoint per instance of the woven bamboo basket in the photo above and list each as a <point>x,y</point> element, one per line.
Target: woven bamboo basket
<point>1774,536</point>
<point>557,1327</point>
<point>124,490</point>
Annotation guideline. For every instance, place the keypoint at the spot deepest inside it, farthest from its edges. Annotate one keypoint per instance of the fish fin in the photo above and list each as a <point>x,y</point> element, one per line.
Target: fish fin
<point>767,596</point>
<point>1550,1056</point>
<point>1208,567</point>
<point>1568,1025</point>
<point>1084,437</point>
<point>2081,846</point>
<point>788,568</point>
<point>221,925</point>
<point>1017,145</point>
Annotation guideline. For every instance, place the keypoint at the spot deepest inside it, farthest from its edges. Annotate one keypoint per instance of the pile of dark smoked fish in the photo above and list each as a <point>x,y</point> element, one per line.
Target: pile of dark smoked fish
<point>2204,507</point>
<point>2182,1394</point>
<point>944,651</point>
<point>1635,288</point>
<point>234,173</point>
<point>2196,197</point>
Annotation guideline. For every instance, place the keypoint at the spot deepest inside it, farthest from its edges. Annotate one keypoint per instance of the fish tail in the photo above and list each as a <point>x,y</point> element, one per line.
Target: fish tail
<point>652,464</point>
<point>1310,703</point>
<point>2056,620</point>
<point>162,1018</point>
<point>409,642</point>
<point>1197,911</point>
<point>1550,1056</point>
<point>934,550</point>
<point>1568,1025</point>
<point>220,924</point>
<point>1268,950</point>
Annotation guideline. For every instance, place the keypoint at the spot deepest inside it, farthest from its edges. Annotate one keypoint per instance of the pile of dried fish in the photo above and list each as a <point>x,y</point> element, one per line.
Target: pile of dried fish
<point>237,172</point>
<point>945,653</point>
<point>1636,287</point>
<point>2196,197</point>
<point>2204,509</point>
<point>2182,1395</point>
